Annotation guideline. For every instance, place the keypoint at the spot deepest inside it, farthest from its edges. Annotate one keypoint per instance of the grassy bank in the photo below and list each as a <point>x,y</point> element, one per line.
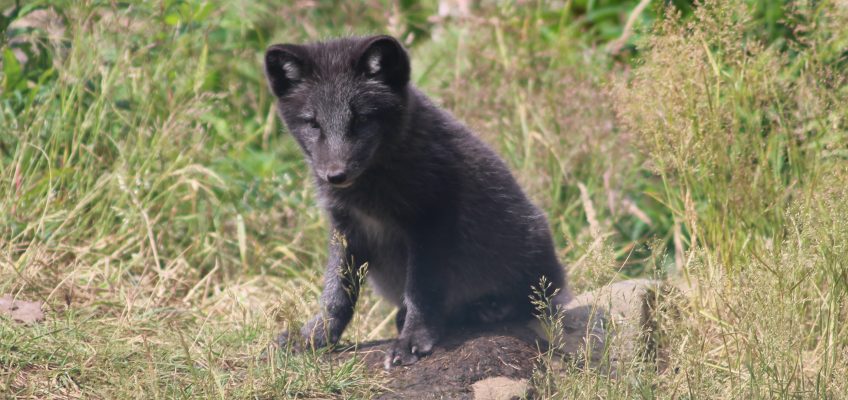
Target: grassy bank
<point>151,200</point>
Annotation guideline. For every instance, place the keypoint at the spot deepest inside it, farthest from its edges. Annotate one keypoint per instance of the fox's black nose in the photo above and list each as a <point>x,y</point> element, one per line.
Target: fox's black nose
<point>336,177</point>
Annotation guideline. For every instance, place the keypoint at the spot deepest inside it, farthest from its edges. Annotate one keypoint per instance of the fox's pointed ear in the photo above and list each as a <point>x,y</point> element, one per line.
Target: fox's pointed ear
<point>384,58</point>
<point>285,66</point>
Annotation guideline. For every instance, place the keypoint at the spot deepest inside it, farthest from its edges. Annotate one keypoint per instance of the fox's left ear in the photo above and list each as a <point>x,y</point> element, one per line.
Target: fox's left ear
<point>384,58</point>
<point>286,66</point>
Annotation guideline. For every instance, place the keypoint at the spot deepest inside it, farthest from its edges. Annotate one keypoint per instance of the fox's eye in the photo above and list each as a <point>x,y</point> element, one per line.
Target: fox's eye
<point>313,123</point>
<point>358,120</point>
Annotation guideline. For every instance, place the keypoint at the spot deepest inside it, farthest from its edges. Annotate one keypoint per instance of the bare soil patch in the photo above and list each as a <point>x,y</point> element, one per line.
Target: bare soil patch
<point>466,356</point>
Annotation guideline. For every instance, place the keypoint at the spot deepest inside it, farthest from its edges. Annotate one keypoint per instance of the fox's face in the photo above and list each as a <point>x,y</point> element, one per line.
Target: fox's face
<point>341,100</point>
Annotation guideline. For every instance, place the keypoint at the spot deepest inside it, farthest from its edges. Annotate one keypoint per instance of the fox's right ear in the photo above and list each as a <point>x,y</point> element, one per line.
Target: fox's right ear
<point>385,59</point>
<point>285,67</point>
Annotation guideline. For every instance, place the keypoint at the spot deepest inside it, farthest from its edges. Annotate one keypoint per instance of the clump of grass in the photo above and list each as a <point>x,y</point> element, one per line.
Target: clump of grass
<point>727,122</point>
<point>775,325</point>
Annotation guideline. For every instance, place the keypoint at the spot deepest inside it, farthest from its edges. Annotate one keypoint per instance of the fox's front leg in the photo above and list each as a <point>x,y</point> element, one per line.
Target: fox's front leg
<point>423,303</point>
<point>342,281</point>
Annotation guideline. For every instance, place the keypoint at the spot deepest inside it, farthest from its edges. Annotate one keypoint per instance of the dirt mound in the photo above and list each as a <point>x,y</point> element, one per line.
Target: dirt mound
<point>463,358</point>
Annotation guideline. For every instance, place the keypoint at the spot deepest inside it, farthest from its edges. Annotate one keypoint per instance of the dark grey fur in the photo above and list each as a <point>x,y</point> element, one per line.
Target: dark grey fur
<point>447,234</point>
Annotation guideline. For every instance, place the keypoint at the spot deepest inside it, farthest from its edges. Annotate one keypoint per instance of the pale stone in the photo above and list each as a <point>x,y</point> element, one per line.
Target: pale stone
<point>26,312</point>
<point>499,388</point>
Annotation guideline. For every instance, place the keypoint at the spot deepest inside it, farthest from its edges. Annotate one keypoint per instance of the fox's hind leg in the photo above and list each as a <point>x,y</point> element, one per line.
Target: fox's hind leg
<point>515,306</point>
<point>493,309</point>
<point>400,318</point>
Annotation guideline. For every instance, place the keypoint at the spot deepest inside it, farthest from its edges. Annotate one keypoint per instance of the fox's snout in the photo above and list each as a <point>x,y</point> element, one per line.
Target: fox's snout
<point>337,175</point>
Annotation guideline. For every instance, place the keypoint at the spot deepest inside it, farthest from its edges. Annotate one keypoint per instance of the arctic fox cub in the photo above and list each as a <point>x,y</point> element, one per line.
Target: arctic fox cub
<point>447,234</point>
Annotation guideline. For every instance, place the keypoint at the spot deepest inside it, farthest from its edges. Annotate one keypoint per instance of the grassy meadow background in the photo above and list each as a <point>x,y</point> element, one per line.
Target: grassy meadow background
<point>152,201</point>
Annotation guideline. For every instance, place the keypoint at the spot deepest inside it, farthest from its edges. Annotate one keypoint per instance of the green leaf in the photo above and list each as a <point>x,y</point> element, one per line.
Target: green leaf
<point>172,19</point>
<point>11,70</point>
<point>203,11</point>
<point>200,72</point>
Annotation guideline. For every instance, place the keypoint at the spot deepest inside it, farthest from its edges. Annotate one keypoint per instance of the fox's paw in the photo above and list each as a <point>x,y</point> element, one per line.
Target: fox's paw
<point>408,349</point>
<point>320,332</point>
<point>317,333</point>
<point>288,341</point>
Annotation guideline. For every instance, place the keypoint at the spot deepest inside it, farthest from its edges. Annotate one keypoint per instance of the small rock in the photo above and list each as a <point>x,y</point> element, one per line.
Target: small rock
<point>499,388</point>
<point>26,312</point>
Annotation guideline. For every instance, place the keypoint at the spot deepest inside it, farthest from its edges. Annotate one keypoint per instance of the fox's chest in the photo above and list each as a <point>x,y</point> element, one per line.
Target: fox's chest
<point>373,229</point>
<point>387,258</point>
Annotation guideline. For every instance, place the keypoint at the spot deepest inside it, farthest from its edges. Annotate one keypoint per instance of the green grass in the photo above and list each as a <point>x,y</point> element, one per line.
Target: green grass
<point>150,198</point>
